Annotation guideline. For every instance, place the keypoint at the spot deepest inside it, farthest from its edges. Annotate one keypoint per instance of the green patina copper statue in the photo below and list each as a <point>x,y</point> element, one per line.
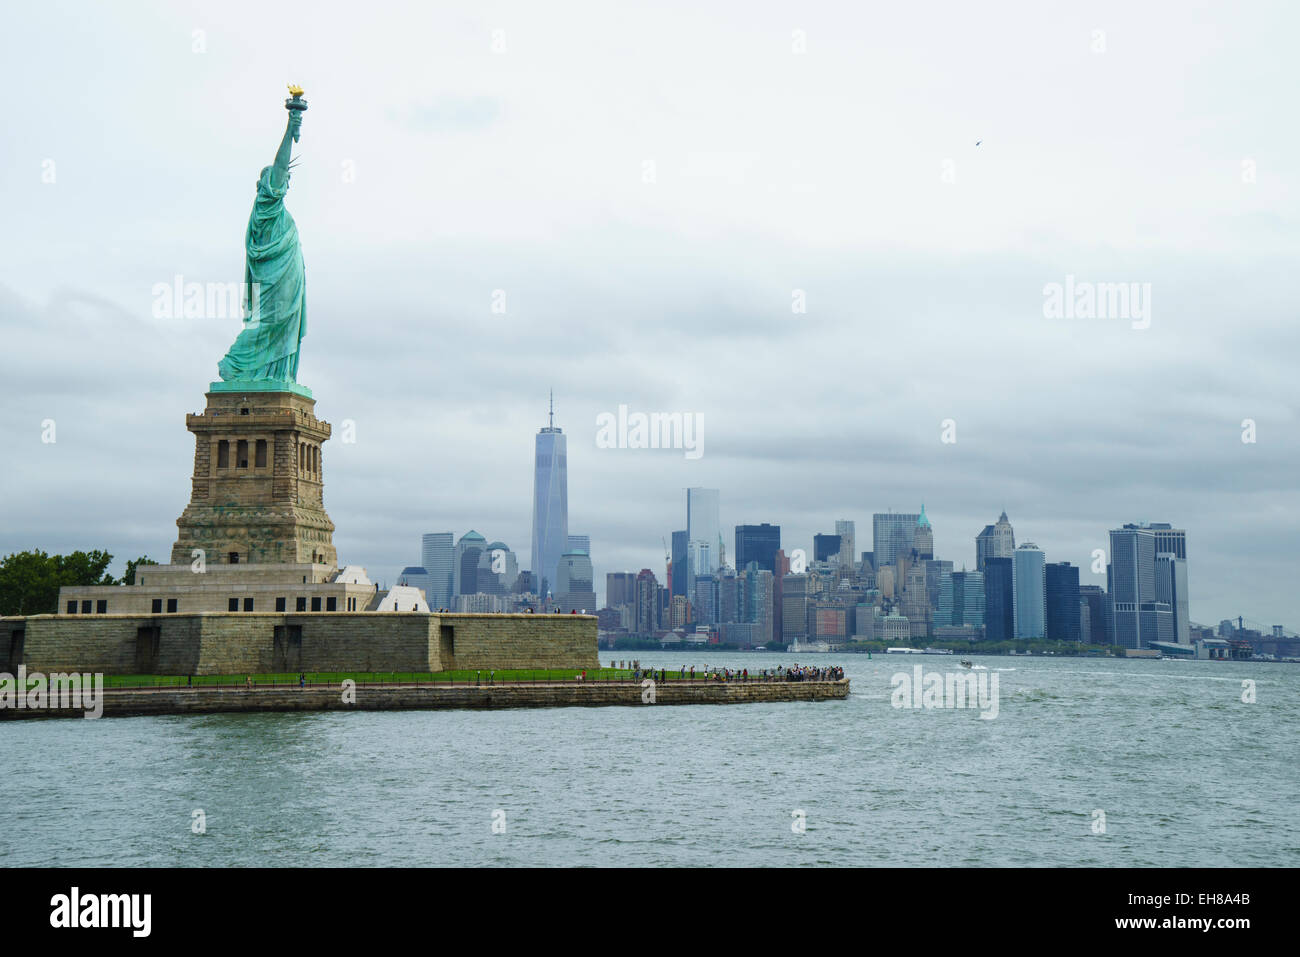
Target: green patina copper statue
<point>265,355</point>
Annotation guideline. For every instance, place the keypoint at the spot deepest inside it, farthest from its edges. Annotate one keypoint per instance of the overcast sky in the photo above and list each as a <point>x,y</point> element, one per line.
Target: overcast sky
<point>1120,142</point>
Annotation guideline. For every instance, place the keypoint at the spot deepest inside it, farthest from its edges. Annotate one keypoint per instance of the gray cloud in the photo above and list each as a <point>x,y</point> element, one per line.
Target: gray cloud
<point>524,173</point>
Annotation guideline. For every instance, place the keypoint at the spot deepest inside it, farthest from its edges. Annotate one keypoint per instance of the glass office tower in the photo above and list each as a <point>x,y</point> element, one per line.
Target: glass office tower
<point>437,555</point>
<point>1028,593</point>
<point>550,504</point>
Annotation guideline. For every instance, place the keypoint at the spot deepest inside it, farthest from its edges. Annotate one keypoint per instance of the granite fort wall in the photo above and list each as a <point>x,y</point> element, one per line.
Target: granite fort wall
<point>517,641</point>
<point>326,641</point>
<point>109,644</point>
<point>254,643</point>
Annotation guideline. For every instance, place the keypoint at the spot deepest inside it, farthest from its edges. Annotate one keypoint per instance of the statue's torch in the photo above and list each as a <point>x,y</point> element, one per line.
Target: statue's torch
<point>296,104</point>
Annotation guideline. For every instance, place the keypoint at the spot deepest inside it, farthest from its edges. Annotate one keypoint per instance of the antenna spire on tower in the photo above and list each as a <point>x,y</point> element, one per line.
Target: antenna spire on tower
<point>552,408</point>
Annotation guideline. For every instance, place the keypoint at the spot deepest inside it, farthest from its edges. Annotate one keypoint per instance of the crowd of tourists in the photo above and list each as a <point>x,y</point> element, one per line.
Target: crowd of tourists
<point>834,673</point>
<point>779,673</point>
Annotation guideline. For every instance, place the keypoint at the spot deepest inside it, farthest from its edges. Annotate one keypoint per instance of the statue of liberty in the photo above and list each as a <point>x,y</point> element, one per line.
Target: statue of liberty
<point>275,301</point>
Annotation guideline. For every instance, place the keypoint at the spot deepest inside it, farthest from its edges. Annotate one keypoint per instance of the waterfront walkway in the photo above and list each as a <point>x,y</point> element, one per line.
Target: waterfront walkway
<point>416,695</point>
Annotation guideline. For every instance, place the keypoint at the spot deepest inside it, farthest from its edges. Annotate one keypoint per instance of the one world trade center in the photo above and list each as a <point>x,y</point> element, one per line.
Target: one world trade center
<point>550,504</point>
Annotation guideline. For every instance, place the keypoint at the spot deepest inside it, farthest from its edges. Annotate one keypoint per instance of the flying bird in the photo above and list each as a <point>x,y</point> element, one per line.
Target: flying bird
<point>978,142</point>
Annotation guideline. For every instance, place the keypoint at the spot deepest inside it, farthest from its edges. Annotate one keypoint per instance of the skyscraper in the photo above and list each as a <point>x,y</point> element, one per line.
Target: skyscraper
<point>795,604</point>
<point>498,570</point>
<point>759,603</point>
<point>1169,539</point>
<point>704,599</point>
<point>575,572</point>
<point>697,557</point>
<point>465,567</point>
<point>731,596</point>
<point>579,543</point>
<point>757,543</point>
<point>438,555</point>
<point>679,564</point>
<point>1094,596</point>
<point>961,599</point>
<point>892,534</point>
<point>778,596</point>
<point>999,603</point>
<point>1173,542</point>
<point>920,595</point>
<point>933,571</point>
<point>847,532</point>
<point>550,503</point>
<point>826,547</point>
<point>1140,617</point>
<point>971,589</point>
<point>679,616</point>
<point>996,541</point>
<point>1171,589</point>
<point>620,589</point>
<point>646,616</point>
<point>923,536</point>
<point>1061,585</point>
<point>575,589</point>
<point>702,529</point>
<point>1028,593</point>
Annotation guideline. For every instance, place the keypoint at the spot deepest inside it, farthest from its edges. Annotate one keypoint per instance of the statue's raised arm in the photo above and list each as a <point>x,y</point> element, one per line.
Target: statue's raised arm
<point>296,106</point>
<point>266,350</point>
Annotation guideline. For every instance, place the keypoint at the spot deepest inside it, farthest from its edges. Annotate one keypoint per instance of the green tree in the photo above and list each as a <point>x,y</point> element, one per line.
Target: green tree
<point>24,578</point>
<point>84,568</point>
<point>30,581</point>
<point>131,566</point>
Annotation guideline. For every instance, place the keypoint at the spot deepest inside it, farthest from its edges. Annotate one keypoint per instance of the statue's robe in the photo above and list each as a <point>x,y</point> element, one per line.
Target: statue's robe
<point>275,300</point>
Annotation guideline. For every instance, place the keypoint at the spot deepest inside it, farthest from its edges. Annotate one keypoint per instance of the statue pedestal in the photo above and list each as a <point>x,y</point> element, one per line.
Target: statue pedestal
<point>247,388</point>
<point>257,489</point>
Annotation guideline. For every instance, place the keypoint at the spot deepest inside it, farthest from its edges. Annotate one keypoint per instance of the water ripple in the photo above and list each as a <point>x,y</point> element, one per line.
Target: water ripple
<point>1185,773</point>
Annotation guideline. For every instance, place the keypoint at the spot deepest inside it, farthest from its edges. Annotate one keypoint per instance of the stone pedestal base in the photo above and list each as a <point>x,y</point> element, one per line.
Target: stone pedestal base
<point>258,482</point>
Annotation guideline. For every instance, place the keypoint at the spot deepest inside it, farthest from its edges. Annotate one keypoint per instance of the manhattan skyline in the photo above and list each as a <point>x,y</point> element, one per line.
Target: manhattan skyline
<point>924,297</point>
